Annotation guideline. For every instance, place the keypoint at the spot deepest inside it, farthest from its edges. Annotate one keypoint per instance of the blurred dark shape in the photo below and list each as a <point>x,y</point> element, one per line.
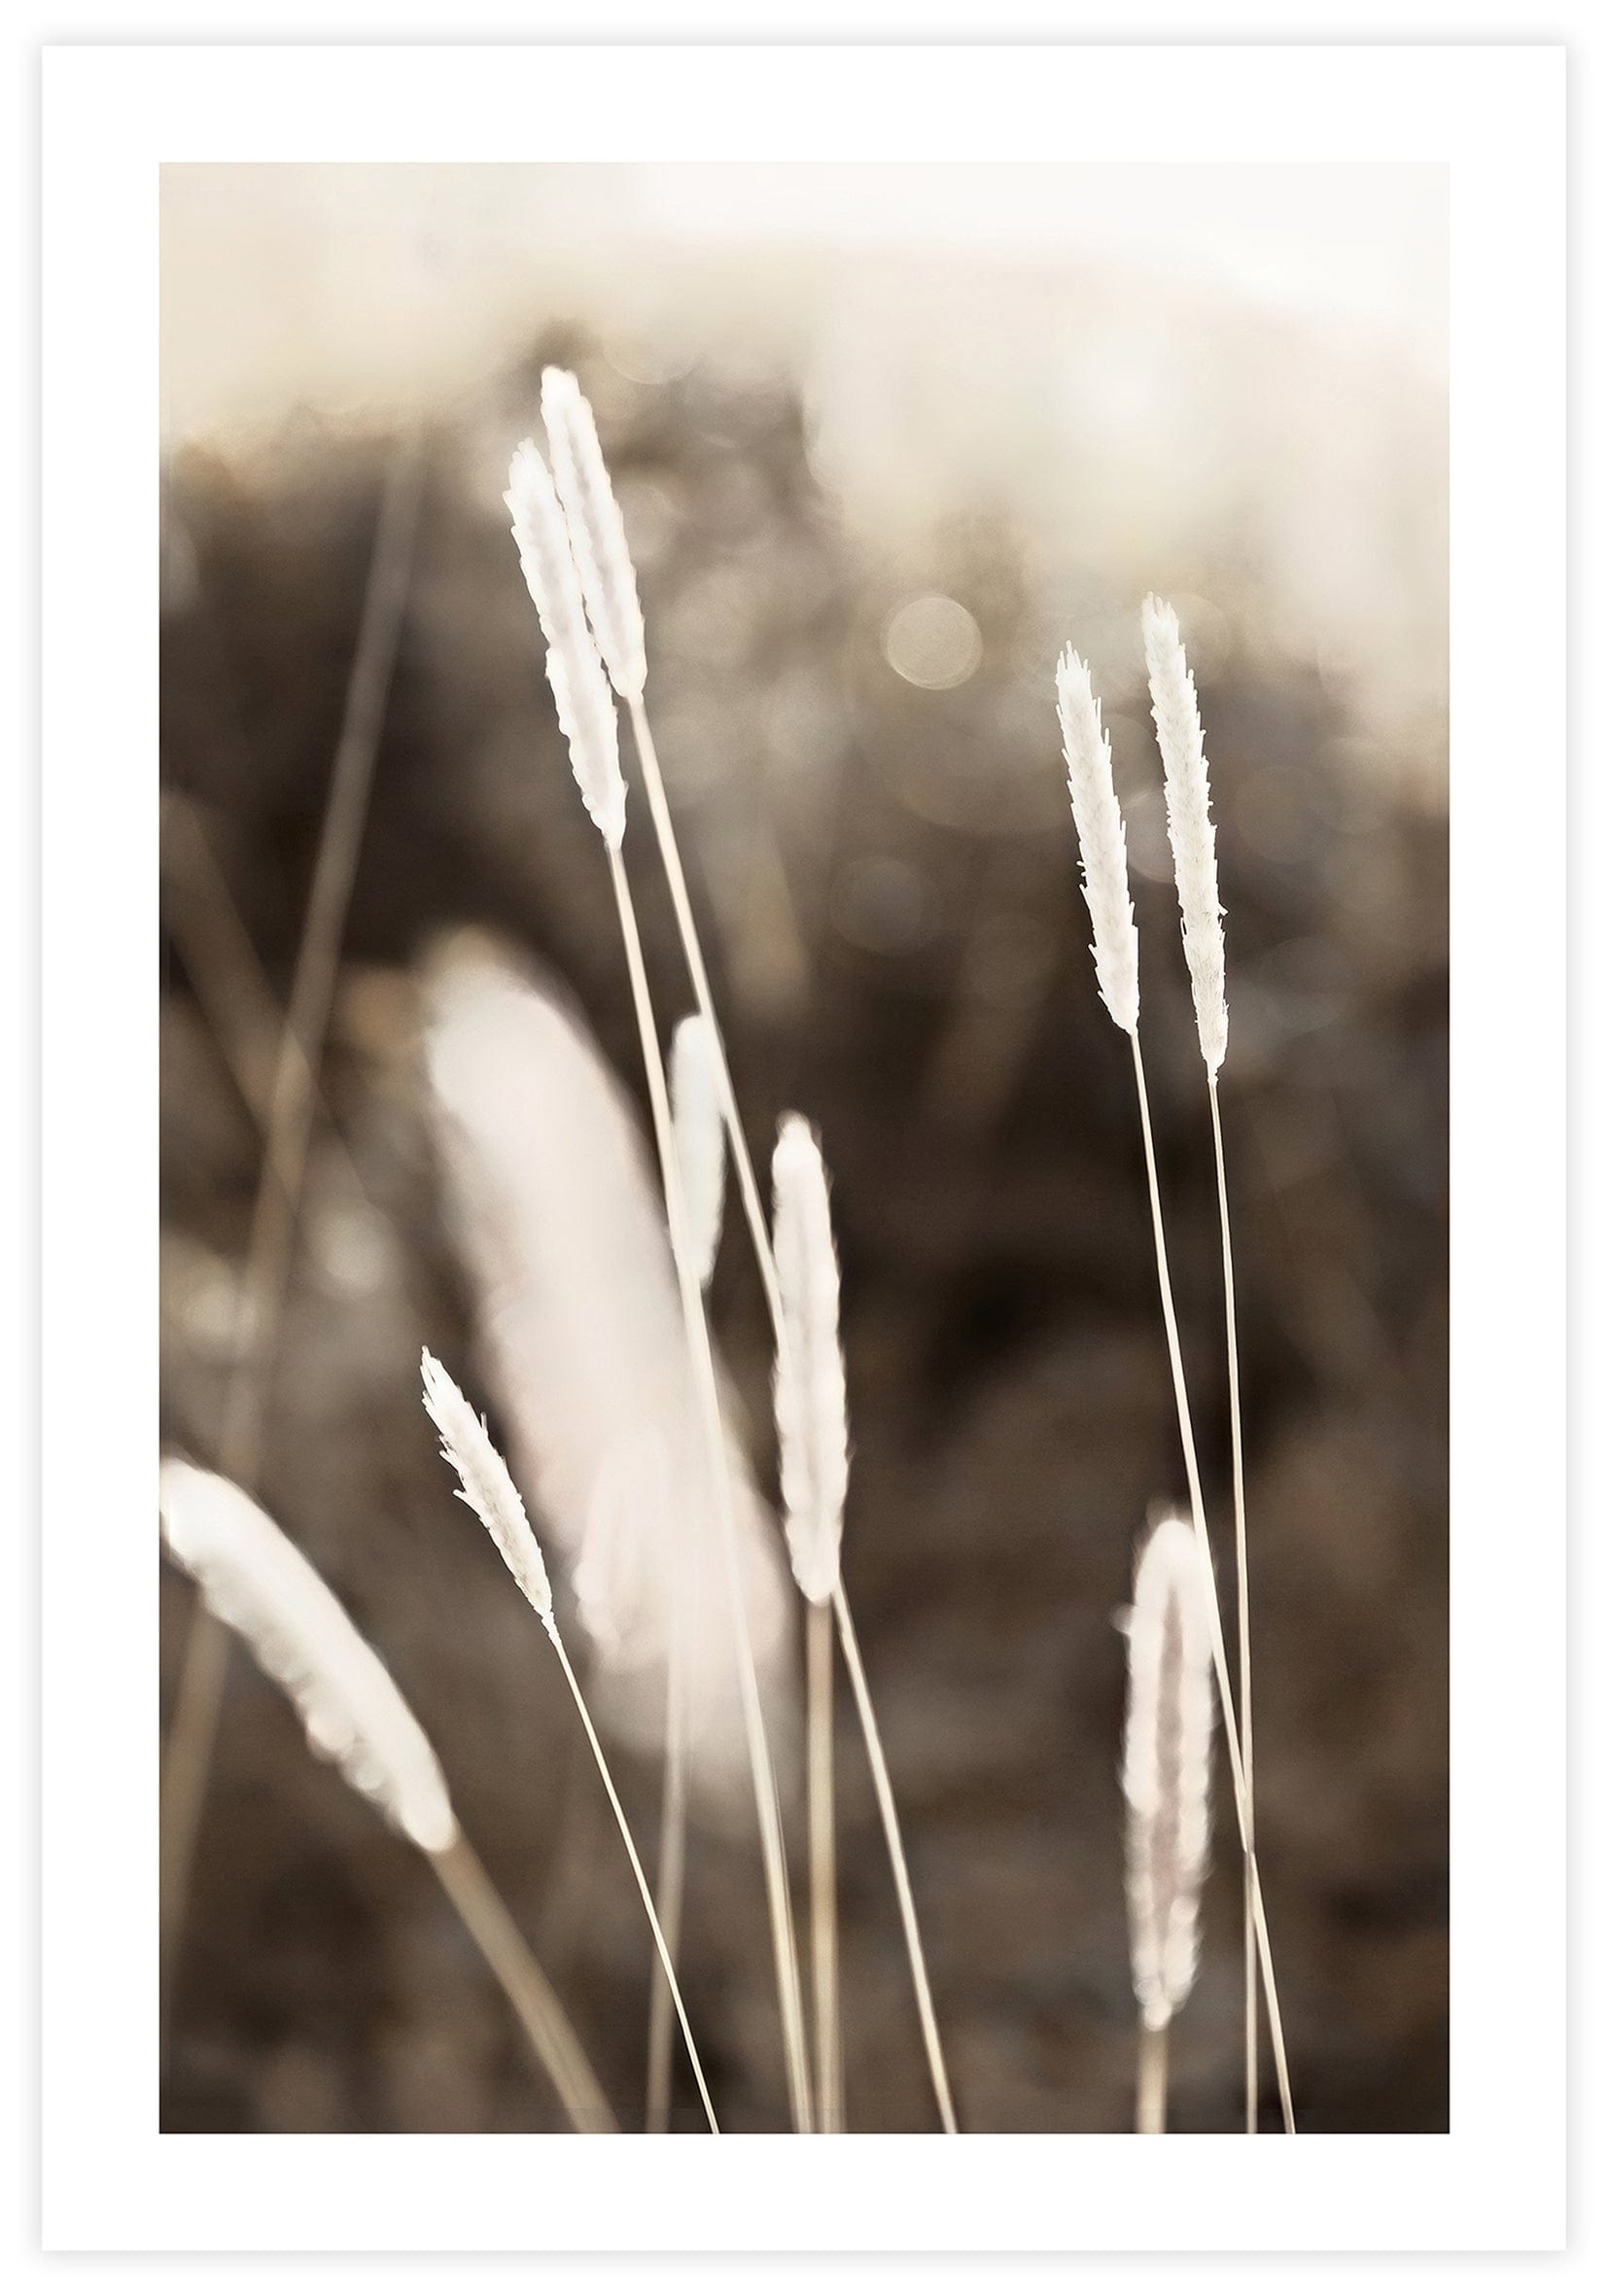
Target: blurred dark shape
<point>865,761</point>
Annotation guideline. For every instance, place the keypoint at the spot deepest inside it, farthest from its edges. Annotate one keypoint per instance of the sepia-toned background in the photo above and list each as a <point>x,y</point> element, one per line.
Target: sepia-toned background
<point>886,440</point>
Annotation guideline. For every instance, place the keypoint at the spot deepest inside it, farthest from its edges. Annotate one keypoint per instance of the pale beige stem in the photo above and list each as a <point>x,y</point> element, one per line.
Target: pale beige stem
<point>884,1787</point>
<point>522,1979</point>
<point>760,1233</point>
<point>1242,1576</point>
<point>1220,1655</point>
<point>627,1837</point>
<point>789,1989</point>
<point>664,829</point>
<point>193,1730</point>
<point>828,2034</point>
<point>672,1881</point>
<point>1150,2108</point>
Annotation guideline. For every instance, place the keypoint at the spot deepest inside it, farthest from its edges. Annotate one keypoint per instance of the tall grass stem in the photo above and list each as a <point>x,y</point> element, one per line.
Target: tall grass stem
<point>672,1876</point>
<point>1242,1578</point>
<point>664,829</point>
<point>523,1980</point>
<point>626,1836</point>
<point>884,1788</point>
<point>1225,1692</point>
<point>772,1846</point>
<point>1150,2105</point>
<point>824,1930</point>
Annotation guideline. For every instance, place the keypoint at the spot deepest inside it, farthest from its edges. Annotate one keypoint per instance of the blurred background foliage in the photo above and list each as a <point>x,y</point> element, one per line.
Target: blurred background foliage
<point>877,463</point>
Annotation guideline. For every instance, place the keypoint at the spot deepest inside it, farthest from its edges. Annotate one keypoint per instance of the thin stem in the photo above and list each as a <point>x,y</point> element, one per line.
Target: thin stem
<point>829,2037</point>
<point>664,829</point>
<point>1225,1694</point>
<point>523,1980</point>
<point>1242,1578</point>
<point>760,1233</point>
<point>625,1834</point>
<point>672,1872</point>
<point>1150,2108</point>
<point>194,1728</point>
<point>789,1989</point>
<point>895,1852</point>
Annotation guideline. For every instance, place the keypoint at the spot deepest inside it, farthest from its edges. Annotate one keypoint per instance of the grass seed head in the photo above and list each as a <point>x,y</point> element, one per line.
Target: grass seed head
<point>581,692</point>
<point>1166,1765</point>
<point>811,1412</point>
<point>485,1486</point>
<point>1189,824</point>
<point>597,531</point>
<point>252,1577</point>
<point>1102,841</point>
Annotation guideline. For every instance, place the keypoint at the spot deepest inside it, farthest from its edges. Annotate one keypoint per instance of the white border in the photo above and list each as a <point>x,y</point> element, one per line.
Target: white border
<point>109,2180</point>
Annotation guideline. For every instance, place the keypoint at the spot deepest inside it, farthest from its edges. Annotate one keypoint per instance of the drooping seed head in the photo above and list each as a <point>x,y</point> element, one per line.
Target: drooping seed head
<point>486,1486</point>
<point>700,1136</point>
<point>1102,841</point>
<point>1189,824</point>
<point>811,1409</point>
<point>581,692</point>
<point>251,1577</point>
<point>597,531</point>
<point>1166,1765</point>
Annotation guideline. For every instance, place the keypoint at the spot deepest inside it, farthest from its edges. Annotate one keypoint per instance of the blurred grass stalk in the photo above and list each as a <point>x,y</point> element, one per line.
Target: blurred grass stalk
<point>194,1728</point>
<point>670,1885</point>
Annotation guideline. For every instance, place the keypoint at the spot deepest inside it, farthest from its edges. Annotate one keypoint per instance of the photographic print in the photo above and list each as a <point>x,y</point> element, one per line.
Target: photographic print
<point>820,1329</point>
<point>694,703</point>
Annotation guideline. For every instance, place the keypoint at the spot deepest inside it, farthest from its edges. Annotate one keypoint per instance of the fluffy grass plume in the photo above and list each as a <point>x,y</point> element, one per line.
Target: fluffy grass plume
<point>597,531</point>
<point>1167,1766</point>
<point>561,1230</point>
<point>812,1413</point>
<point>252,1577</point>
<point>1102,841</point>
<point>1189,823</point>
<point>700,1136</point>
<point>485,1486</point>
<point>581,692</point>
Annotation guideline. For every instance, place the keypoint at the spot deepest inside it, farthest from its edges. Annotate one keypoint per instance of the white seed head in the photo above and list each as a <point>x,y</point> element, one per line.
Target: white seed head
<point>812,1408</point>
<point>485,1486</point>
<point>1102,841</point>
<point>1166,1765</point>
<point>1189,823</point>
<point>700,1136</point>
<point>252,1577</point>
<point>597,531</point>
<point>581,692</point>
